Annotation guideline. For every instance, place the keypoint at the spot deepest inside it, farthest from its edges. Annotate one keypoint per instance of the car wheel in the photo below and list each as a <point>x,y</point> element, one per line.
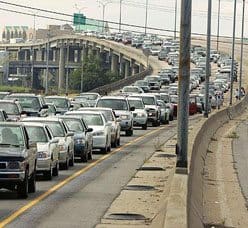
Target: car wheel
<point>32,183</point>
<point>22,188</point>
<point>105,149</point>
<point>115,144</point>
<point>56,170</point>
<point>48,174</point>
<point>90,154</point>
<point>129,132</point>
<point>144,126</point>
<point>65,165</point>
<point>84,156</point>
<point>167,121</point>
<point>171,118</point>
<point>119,142</point>
<point>71,161</point>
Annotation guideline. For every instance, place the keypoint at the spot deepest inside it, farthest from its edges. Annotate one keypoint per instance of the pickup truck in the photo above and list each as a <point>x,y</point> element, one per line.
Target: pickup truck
<point>17,159</point>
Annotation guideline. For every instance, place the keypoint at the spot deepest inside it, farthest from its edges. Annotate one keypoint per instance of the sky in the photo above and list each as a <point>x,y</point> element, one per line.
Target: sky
<point>160,14</point>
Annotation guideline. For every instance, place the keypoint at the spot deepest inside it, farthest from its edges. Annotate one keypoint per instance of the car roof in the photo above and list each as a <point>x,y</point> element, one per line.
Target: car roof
<point>47,119</point>
<point>18,124</point>
<point>113,98</point>
<point>9,101</point>
<point>95,108</point>
<point>34,124</point>
<point>23,94</point>
<point>86,112</point>
<point>55,96</point>
<point>134,98</point>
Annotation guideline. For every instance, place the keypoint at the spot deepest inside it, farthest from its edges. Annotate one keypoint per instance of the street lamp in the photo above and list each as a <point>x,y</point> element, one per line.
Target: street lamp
<point>233,46</point>
<point>47,62</point>
<point>120,16</point>
<point>146,15</point>
<point>104,4</point>
<point>175,24</point>
<point>79,12</point>
<point>242,51</point>
<point>218,26</point>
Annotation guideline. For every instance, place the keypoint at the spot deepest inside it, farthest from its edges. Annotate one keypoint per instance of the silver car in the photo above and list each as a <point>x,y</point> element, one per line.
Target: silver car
<point>140,114</point>
<point>60,132</point>
<point>115,123</point>
<point>47,149</point>
<point>91,98</point>
<point>165,112</point>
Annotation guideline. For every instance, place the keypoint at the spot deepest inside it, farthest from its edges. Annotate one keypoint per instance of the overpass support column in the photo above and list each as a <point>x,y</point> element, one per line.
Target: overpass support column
<point>141,68</point>
<point>114,63</point>
<point>132,66</point>
<point>61,69</point>
<point>121,61</point>
<point>127,68</point>
<point>39,55</point>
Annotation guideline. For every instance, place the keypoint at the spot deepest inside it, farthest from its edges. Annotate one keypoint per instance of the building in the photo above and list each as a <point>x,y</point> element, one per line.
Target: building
<point>14,32</point>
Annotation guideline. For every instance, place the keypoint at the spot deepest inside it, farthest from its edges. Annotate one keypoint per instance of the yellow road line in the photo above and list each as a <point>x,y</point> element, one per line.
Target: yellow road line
<point>56,187</point>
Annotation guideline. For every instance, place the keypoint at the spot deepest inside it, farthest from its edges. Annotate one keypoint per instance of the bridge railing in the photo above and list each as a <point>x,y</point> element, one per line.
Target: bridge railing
<point>103,90</point>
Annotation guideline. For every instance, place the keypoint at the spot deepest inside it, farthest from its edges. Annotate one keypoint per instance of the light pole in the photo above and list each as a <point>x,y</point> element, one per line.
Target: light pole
<point>183,85</point>
<point>242,50</point>
<point>67,71</point>
<point>218,26</point>
<point>120,16</point>
<point>79,12</point>
<point>104,4</point>
<point>208,59</point>
<point>47,62</point>
<point>175,23</point>
<point>146,15</point>
<point>233,46</point>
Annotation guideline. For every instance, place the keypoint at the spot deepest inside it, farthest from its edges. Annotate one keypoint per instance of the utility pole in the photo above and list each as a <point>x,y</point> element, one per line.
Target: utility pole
<point>218,26</point>
<point>183,84</point>
<point>175,23</point>
<point>233,47</point>
<point>208,59</point>
<point>242,50</point>
<point>47,62</point>
<point>120,16</point>
<point>67,70</point>
<point>146,15</point>
<point>104,4</point>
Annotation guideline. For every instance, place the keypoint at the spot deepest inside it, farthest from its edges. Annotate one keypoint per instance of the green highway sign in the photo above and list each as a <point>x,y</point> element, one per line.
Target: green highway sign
<point>79,19</point>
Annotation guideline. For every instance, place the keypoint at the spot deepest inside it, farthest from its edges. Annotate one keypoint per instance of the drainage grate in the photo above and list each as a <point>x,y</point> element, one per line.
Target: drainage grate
<point>166,155</point>
<point>139,188</point>
<point>126,216</point>
<point>152,168</point>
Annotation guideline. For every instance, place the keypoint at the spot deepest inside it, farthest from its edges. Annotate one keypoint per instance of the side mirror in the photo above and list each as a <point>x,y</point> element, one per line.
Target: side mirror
<point>132,109</point>
<point>89,130</point>
<point>45,106</point>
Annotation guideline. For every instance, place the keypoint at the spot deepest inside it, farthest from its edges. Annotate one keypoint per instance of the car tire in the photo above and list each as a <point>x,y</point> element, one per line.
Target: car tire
<point>171,118</point>
<point>115,143</point>
<point>144,126</point>
<point>90,154</point>
<point>32,183</point>
<point>56,170</point>
<point>22,188</point>
<point>129,132</point>
<point>48,174</point>
<point>167,121</point>
<point>119,141</point>
<point>65,166</point>
<point>104,150</point>
<point>84,156</point>
<point>71,161</point>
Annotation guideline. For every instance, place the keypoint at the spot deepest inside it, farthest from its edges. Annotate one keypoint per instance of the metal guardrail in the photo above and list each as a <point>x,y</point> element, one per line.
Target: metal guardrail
<point>104,90</point>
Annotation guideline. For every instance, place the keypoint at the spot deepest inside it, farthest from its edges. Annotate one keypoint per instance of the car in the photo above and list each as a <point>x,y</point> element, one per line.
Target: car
<point>62,104</point>
<point>162,54</point>
<point>166,98</point>
<point>47,149</point>
<point>18,158</point>
<point>115,123</point>
<point>101,128</point>
<point>122,110</point>
<point>83,139</point>
<point>33,105</point>
<point>140,114</point>
<point>91,98</point>
<point>131,90</point>
<point>144,85</point>
<point>65,137</point>
<point>151,106</point>
<point>165,112</point>
<point>3,95</point>
<point>13,109</point>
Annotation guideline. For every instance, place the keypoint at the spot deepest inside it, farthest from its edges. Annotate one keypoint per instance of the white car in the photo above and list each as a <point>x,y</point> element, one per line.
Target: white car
<point>47,149</point>
<point>101,128</point>
<point>115,123</point>
<point>60,132</point>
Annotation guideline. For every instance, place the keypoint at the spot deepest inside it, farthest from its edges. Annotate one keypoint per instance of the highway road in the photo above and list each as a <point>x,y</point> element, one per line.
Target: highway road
<point>82,194</point>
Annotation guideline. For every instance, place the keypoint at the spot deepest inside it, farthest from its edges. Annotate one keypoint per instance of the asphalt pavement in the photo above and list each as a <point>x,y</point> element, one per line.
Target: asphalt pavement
<point>240,154</point>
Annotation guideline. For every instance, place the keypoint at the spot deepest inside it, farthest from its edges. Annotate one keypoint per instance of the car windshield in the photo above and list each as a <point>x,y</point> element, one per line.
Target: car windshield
<point>74,125</point>
<point>115,104</point>
<point>156,79</point>
<point>165,98</point>
<point>58,102</point>
<point>148,100</point>
<point>28,103</point>
<point>138,104</point>
<point>141,83</point>
<point>93,119</point>
<point>36,134</point>
<point>108,115</point>
<point>11,135</point>
<point>56,128</point>
<point>161,104</point>
<point>130,89</point>
<point>51,109</point>
<point>80,99</point>
<point>89,96</point>
<point>174,100</point>
<point>2,96</point>
<point>10,108</point>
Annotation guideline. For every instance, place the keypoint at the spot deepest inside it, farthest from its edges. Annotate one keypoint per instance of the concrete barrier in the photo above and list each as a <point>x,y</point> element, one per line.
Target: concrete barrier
<point>199,148</point>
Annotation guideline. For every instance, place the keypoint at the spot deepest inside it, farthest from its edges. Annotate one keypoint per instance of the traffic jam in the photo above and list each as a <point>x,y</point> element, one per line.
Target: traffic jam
<point>45,135</point>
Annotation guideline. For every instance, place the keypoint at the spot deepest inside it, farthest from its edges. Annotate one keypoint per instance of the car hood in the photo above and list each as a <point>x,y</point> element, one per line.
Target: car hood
<point>151,107</point>
<point>78,135</point>
<point>121,112</point>
<point>9,151</point>
<point>42,146</point>
<point>96,128</point>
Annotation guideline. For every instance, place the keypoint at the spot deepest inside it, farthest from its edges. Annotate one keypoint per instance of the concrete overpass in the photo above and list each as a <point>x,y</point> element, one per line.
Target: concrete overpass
<point>67,53</point>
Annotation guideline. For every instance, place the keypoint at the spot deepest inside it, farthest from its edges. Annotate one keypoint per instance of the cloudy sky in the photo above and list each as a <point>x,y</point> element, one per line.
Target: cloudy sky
<point>160,13</point>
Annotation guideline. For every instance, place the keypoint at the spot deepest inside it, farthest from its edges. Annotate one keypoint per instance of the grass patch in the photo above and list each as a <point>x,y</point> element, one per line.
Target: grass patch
<point>232,135</point>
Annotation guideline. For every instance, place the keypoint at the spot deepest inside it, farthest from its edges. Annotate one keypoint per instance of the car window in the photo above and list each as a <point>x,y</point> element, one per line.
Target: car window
<point>11,135</point>
<point>74,125</point>
<point>148,100</point>
<point>115,104</point>
<point>28,103</point>
<point>10,108</point>
<point>58,102</point>
<point>57,129</point>
<point>36,134</point>
<point>138,104</point>
<point>93,119</point>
